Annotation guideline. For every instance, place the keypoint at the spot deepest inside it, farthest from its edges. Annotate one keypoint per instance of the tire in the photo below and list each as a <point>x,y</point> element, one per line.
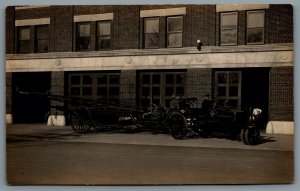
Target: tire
<point>252,136</point>
<point>243,136</point>
<point>79,124</point>
<point>178,126</point>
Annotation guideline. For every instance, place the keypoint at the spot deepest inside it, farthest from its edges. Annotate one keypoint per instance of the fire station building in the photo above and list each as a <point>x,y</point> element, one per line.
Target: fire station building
<point>134,55</point>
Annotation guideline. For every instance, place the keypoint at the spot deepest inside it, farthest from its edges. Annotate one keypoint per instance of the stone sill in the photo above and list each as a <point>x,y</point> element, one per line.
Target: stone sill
<point>163,51</point>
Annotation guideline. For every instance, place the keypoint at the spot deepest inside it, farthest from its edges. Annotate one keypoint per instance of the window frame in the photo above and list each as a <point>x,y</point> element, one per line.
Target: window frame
<point>36,38</point>
<point>78,36</point>
<point>249,28</point>
<point>174,32</point>
<point>103,36</point>
<point>19,28</point>
<point>229,27</point>
<point>144,33</point>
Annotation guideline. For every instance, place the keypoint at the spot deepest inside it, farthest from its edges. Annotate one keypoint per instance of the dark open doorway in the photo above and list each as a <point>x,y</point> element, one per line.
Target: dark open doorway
<point>26,108</point>
<point>255,91</point>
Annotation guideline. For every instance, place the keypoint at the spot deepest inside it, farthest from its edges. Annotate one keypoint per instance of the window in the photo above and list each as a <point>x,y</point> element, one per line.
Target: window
<point>255,27</point>
<point>83,36</point>
<point>42,38</point>
<point>105,87</point>
<point>24,40</point>
<point>103,35</point>
<point>158,87</point>
<point>228,88</point>
<point>228,28</point>
<point>174,29</point>
<point>151,32</point>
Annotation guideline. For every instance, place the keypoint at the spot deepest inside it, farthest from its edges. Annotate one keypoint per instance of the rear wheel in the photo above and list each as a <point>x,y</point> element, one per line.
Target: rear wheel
<point>178,126</point>
<point>79,124</point>
<point>252,136</point>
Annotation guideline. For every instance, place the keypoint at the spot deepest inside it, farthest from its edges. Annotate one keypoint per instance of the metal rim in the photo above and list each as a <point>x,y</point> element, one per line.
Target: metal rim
<point>79,124</point>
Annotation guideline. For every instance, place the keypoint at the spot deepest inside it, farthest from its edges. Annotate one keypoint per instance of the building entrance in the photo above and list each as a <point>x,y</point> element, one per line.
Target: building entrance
<point>30,109</point>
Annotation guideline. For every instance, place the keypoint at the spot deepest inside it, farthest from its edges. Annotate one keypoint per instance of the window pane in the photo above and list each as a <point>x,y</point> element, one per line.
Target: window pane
<point>42,32</point>
<point>169,91</point>
<point>233,91</point>
<point>114,91</point>
<point>256,19</point>
<point>228,36</point>
<point>174,24</point>
<point>222,78</point>
<point>75,79</point>
<point>84,30</point>
<point>156,79</point>
<point>102,91</point>
<point>24,46</point>
<point>175,40</point>
<point>75,91</point>
<point>146,79</point>
<point>145,91</point>
<point>169,78</point>
<point>255,35</point>
<point>180,91</point>
<point>86,91</point>
<point>180,79</point>
<point>24,33</point>
<point>104,43</point>
<point>87,80</point>
<point>151,25</point>
<point>151,40</point>
<point>114,79</point>
<point>233,78</point>
<point>102,80</point>
<point>83,43</point>
<point>42,46</point>
<point>156,91</point>
<point>229,20</point>
<point>103,28</point>
<point>221,91</point>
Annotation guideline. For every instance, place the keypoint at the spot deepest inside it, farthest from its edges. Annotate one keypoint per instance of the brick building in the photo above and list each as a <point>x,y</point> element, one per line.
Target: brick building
<point>135,55</point>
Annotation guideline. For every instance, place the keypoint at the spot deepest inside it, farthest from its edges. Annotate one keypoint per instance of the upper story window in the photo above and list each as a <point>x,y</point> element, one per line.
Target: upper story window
<point>255,27</point>
<point>24,40</point>
<point>42,38</point>
<point>151,32</point>
<point>83,38</point>
<point>103,35</point>
<point>174,30</point>
<point>228,28</point>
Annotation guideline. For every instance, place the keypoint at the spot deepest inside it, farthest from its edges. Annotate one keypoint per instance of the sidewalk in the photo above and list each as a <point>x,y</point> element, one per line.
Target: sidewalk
<point>38,132</point>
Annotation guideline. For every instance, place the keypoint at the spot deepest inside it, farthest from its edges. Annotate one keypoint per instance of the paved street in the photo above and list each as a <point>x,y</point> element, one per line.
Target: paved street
<point>55,155</point>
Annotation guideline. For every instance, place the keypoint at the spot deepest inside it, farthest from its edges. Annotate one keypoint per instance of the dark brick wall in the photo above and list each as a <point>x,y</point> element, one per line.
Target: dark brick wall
<point>281,94</point>
<point>63,28</point>
<point>199,23</point>
<point>128,88</point>
<point>8,88</point>
<point>57,88</point>
<point>199,83</point>
<point>10,29</point>
<point>126,27</point>
<point>279,24</point>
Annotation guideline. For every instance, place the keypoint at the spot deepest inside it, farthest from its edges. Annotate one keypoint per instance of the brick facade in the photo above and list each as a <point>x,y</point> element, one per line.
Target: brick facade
<point>128,88</point>
<point>199,83</point>
<point>281,94</point>
<point>200,22</point>
<point>57,88</point>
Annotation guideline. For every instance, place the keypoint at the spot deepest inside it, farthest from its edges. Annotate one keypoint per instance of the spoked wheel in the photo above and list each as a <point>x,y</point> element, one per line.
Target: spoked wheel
<point>252,136</point>
<point>98,126</point>
<point>243,136</point>
<point>178,126</point>
<point>79,124</point>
